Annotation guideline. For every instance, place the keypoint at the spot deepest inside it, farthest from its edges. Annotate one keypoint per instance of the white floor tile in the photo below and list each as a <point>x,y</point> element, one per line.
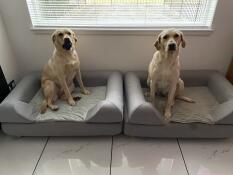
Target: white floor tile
<point>19,155</point>
<point>143,156</point>
<point>76,156</point>
<point>208,157</point>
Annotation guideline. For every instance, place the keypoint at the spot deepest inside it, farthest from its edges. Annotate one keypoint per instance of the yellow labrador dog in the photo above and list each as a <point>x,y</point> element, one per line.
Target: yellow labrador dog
<point>164,69</point>
<point>60,71</point>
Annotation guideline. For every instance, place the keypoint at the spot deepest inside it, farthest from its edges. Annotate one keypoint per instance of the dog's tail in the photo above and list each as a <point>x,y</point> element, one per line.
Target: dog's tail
<point>183,98</point>
<point>43,106</point>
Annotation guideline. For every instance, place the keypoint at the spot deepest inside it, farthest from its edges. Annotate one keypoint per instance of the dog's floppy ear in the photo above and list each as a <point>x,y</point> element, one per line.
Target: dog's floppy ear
<point>183,43</point>
<point>75,38</point>
<point>53,36</point>
<point>158,43</point>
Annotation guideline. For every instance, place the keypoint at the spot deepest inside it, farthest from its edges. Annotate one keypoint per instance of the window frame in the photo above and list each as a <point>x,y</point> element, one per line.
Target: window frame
<point>125,31</point>
<point>193,30</point>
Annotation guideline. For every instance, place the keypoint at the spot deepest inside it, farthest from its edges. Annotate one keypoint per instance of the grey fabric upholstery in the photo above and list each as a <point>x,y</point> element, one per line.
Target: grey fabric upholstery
<point>175,130</point>
<point>62,129</point>
<point>220,87</point>
<point>142,119</point>
<point>15,109</point>
<point>224,113</point>
<point>139,111</point>
<point>196,77</point>
<point>110,110</point>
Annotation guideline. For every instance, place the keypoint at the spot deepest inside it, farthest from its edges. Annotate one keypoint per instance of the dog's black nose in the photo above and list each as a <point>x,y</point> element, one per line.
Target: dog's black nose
<point>66,40</point>
<point>67,44</point>
<point>172,47</point>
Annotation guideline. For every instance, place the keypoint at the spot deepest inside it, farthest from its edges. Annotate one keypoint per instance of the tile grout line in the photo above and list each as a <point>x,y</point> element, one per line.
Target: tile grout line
<point>40,155</point>
<point>111,157</point>
<point>182,156</point>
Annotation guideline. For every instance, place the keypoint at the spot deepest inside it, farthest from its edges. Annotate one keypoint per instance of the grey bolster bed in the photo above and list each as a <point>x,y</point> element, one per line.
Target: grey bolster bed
<point>20,117</point>
<point>211,114</point>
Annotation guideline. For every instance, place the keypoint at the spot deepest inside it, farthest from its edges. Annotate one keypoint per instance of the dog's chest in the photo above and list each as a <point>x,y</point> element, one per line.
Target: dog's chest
<point>71,68</point>
<point>164,77</point>
<point>163,81</point>
<point>72,65</point>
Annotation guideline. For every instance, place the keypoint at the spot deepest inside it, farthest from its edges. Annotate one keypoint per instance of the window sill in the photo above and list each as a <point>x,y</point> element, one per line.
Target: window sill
<point>125,31</point>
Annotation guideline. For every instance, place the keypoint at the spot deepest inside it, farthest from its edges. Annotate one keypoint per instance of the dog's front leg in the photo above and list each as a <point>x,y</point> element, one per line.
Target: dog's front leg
<point>68,95</point>
<point>152,90</point>
<point>80,82</point>
<point>170,100</point>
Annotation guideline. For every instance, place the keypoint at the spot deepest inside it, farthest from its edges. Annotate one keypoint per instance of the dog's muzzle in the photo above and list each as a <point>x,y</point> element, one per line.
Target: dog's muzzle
<point>172,47</point>
<point>67,44</point>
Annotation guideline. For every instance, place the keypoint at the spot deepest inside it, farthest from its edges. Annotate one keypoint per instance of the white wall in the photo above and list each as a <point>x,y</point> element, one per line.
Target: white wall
<point>7,58</point>
<point>119,51</point>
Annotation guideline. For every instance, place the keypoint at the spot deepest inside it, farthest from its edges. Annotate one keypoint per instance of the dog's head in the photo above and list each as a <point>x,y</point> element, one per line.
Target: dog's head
<point>64,39</point>
<point>170,40</point>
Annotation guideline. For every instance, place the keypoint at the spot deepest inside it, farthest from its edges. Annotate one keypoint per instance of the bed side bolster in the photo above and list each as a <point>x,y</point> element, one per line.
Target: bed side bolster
<point>15,107</point>
<point>146,114</point>
<point>224,113</point>
<point>95,78</point>
<point>113,105</point>
<point>220,87</point>
<point>139,111</point>
<point>115,90</point>
<point>196,78</point>
<point>26,88</point>
<point>104,108</point>
<point>16,112</point>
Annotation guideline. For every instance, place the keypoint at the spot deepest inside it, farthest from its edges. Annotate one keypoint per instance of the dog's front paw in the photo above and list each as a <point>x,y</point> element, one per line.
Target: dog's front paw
<point>85,91</point>
<point>76,98</point>
<point>71,101</point>
<point>54,107</point>
<point>167,115</point>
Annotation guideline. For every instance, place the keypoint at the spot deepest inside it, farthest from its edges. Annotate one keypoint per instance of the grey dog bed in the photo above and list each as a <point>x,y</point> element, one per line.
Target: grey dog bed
<point>100,113</point>
<point>210,117</point>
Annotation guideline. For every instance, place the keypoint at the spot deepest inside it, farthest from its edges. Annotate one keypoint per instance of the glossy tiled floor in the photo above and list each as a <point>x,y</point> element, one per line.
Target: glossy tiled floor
<point>117,155</point>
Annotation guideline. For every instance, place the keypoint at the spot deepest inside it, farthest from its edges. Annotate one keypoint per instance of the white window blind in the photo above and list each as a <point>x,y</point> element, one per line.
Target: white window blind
<point>122,13</point>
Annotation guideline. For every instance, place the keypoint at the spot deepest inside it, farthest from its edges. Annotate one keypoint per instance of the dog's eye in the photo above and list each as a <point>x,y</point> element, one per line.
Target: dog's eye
<point>176,36</point>
<point>165,37</point>
<point>60,34</point>
<point>68,33</point>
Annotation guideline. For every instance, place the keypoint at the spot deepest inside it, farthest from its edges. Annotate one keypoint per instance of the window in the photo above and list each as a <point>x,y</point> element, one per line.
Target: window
<point>149,14</point>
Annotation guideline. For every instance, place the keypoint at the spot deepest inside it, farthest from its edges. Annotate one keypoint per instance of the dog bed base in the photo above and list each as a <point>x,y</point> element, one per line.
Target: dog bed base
<point>175,130</point>
<point>62,129</point>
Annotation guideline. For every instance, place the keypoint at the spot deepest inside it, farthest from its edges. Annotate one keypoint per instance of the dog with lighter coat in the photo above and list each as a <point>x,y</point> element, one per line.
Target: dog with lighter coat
<point>164,69</point>
<point>63,67</point>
